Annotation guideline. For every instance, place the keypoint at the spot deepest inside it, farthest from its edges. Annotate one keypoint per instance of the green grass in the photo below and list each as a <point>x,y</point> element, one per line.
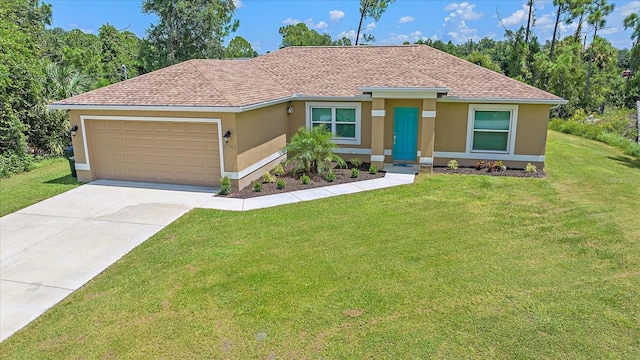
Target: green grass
<point>48,178</point>
<point>453,267</point>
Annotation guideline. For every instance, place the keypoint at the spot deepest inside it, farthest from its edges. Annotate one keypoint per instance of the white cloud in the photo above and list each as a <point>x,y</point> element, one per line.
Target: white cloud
<point>463,33</point>
<point>238,3</point>
<point>608,30</point>
<point>546,22</point>
<point>406,19</point>
<point>370,27</point>
<point>321,25</point>
<point>336,15</point>
<point>291,21</point>
<point>462,10</point>
<point>351,35</point>
<point>411,37</point>
<point>84,30</point>
<point>630,8</point>
<point>517,18</point>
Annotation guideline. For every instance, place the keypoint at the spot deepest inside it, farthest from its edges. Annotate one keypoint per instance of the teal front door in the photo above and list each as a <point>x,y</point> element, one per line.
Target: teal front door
<point>405,133</point>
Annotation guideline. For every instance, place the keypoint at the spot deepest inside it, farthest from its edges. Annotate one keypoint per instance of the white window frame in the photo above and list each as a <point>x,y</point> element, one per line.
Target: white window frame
<point>511,134</point>
<point>333,106</point>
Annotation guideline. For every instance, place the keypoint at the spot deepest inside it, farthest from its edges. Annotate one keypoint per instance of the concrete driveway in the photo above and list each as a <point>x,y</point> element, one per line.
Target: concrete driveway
<point>52,248</point>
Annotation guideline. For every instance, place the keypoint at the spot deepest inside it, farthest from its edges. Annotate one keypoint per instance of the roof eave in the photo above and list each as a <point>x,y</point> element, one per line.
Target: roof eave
<point>224,109</point>
<point>404,89</point>
<point>464,99</point>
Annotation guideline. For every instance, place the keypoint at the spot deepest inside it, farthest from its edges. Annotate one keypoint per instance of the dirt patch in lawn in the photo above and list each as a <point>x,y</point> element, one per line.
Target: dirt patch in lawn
<point>473,171</point>
<point>294,183</point>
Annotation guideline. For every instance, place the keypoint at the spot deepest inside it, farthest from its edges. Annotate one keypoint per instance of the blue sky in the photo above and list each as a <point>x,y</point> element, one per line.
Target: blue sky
<point>404,20</point>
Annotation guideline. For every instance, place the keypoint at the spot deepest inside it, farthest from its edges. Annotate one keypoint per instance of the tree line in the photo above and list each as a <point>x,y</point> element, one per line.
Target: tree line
<point>39,65</point>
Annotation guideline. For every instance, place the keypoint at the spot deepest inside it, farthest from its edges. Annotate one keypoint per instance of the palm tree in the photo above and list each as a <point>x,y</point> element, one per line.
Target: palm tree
<point>312,150</point>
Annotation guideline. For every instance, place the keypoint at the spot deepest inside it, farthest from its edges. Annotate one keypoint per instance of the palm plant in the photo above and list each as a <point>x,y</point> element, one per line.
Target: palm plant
<point>312,150</point>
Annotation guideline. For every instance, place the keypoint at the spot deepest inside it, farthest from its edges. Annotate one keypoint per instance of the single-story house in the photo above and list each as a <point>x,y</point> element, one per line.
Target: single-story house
<point>199,120</point>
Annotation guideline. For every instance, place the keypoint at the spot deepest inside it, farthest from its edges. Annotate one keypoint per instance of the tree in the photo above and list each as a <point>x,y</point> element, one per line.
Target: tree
<point>598,12</point>
<point>239,47</point>
<point>633,22</point>
<point>371,9</point>
<point>188,29</point>
<point>529,24</point>
<point>577,10</point>
<point>312,150</point>
<point>300,35</point>
<point>22,26</point>
<point>562,7</point>
<point>483,60</point>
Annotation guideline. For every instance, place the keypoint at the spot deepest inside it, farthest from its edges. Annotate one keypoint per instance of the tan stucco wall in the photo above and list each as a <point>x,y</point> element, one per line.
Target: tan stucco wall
<point>531,133</point>
<point>451,127</point>
<point>260,133</point>
<point>227,121</point>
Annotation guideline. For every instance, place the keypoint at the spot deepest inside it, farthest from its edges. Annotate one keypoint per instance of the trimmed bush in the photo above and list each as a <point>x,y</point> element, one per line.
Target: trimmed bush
<point>355,172</point>
<point>225,186</point>
<point>268,178</point>
<point>373,169</point>
<point>278,170</point>
<point>453,164</point>
<point>355,162</point>
<point>306,180</point>
<point>257,187</point>
<point>280,184</point>
<point>530,169</point>
<point>331,176</point>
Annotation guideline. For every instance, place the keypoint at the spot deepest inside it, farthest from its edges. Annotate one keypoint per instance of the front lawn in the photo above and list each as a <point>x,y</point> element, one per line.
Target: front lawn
<point>48,178</point>
<point>454,266</point>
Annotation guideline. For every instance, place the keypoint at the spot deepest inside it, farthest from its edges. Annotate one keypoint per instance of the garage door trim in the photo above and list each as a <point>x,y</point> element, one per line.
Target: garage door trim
<point>87,164</point>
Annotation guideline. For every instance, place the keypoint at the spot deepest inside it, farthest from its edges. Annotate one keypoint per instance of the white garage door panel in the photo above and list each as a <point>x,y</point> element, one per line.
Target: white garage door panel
<point>168,152</point>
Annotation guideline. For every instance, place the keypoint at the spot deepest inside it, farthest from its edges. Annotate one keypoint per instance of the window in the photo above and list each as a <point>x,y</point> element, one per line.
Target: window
<point>342,119</point>
<point>492,128</point>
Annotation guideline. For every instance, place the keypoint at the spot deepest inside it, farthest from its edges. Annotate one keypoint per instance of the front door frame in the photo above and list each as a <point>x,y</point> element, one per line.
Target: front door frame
<point>405,134</point>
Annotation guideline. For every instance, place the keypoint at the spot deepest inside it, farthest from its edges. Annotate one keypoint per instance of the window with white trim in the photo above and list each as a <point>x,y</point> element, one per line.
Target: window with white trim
<point>492,128</point>
<point>342,119</point>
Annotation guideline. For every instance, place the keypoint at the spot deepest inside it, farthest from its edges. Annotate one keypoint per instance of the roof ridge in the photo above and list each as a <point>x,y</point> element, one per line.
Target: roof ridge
<point>484,69</point>
<point>199,65</point>
<point>272,75</point>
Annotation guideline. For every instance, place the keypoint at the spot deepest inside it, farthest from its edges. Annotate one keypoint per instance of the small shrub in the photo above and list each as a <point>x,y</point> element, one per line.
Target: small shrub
<point>355,172</point>
<point>331,176</point>
<point>268,178</point>
<point>257,187</point>
<point>278,170</point>
<point>453,164</point>
<point>306,180</point>
<point>373,169</point>
<point>497,166</point>
<point>355,162</point>
<point>530,168</point>
<point>280,184</point>
<point>225,185</point>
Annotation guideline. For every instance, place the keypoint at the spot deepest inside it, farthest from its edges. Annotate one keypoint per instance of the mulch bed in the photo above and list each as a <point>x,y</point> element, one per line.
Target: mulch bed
<point>293,183</point>
<point>474,171</point>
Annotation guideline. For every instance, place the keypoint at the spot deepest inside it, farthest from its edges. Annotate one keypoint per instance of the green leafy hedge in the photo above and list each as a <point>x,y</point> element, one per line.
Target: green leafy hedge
<point>613,128</point>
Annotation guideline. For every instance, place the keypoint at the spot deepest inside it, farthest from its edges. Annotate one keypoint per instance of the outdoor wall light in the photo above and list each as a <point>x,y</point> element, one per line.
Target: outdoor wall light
<point>226,136</point>
<point>290,109</point>
<point>74,130</point>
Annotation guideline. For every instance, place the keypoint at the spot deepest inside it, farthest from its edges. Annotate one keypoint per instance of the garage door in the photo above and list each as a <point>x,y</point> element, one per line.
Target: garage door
<point>155,151</point>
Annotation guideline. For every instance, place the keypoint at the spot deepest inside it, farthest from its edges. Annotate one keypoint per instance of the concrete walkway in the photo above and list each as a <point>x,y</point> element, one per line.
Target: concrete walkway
<point>222,203</point>
<point>50,249</point>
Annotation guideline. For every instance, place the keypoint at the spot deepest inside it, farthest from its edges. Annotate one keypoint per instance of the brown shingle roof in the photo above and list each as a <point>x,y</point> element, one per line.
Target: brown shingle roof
<point>309,71</point>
